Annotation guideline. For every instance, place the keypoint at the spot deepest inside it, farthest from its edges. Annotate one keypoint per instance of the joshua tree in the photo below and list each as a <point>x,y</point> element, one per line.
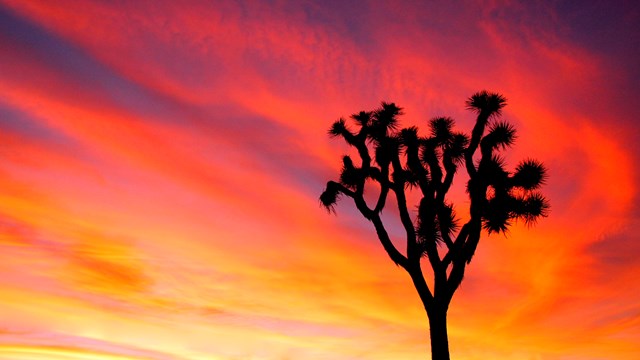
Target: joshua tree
<point>402,159</point>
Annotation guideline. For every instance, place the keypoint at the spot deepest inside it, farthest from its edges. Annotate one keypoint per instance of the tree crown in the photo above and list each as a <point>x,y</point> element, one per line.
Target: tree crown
<point>397,158</point>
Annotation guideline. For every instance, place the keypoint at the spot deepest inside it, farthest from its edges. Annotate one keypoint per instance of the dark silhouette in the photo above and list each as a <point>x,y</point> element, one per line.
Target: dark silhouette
<point>402,160</point>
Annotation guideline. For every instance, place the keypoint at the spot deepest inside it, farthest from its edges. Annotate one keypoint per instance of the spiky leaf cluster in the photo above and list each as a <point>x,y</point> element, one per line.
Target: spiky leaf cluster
<point>456,147</point>
<point>510,197</point>
<point>330,196</point>
<point>486,103</point>
<point>339,129</point>
<point>350,176</point>
<point>500,136</point>
<point>433,224</point>
<point>363,118</point>
<point>531,207</point>
<point>383,122</point>
<point>530,174</point>
<point>426,227</point>
<point>441,129</point>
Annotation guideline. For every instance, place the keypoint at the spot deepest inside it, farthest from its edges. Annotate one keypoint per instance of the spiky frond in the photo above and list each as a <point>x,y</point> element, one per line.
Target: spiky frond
<point>409,136</point>
<point>531,207</point>
<point>339,129</point>
<point>486,103</point>
<point>500,135</point>
<point>388,114</point>
<point>496,223</point>
<point>330,196</point>
<point>448,223</point>
<point>426,227</point>
<point>350,176</point>
<point>384,121</point>
<point>409,177</point>
<point>456,147</point>
<point>530,174</point>
<point>497,216</point>
<point>363,118</point>
<point>441,129</point>
<point>493,171</point>
<point>429,148</point>
<point>385,149</point>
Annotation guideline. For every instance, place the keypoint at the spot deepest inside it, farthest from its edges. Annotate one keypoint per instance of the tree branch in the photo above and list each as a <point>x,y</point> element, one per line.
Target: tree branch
<point>471,244</point>
<point>382,199</point>
<point>421,286</point>
<point>374,217</point>
<point>447,239</point>
<point>405,218</point>
<point>414,164</point>
<point>450,171</point>
<point>383,236</point>
<point>343,189</point>
<point>383,179</point>
<point>363,151</point>
<point>434,167</point>
<point>476,134</point>
<point>456,257</point>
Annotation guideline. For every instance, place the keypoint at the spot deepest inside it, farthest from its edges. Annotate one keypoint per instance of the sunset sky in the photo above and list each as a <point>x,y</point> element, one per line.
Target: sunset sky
<point>161,162</point>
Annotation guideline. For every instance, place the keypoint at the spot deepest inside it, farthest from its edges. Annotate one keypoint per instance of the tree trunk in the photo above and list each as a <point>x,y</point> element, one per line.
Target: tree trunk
<point>438,332</point>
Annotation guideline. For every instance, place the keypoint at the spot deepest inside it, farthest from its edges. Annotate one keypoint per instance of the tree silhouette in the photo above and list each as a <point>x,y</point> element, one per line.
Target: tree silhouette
<point>402,160</point>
